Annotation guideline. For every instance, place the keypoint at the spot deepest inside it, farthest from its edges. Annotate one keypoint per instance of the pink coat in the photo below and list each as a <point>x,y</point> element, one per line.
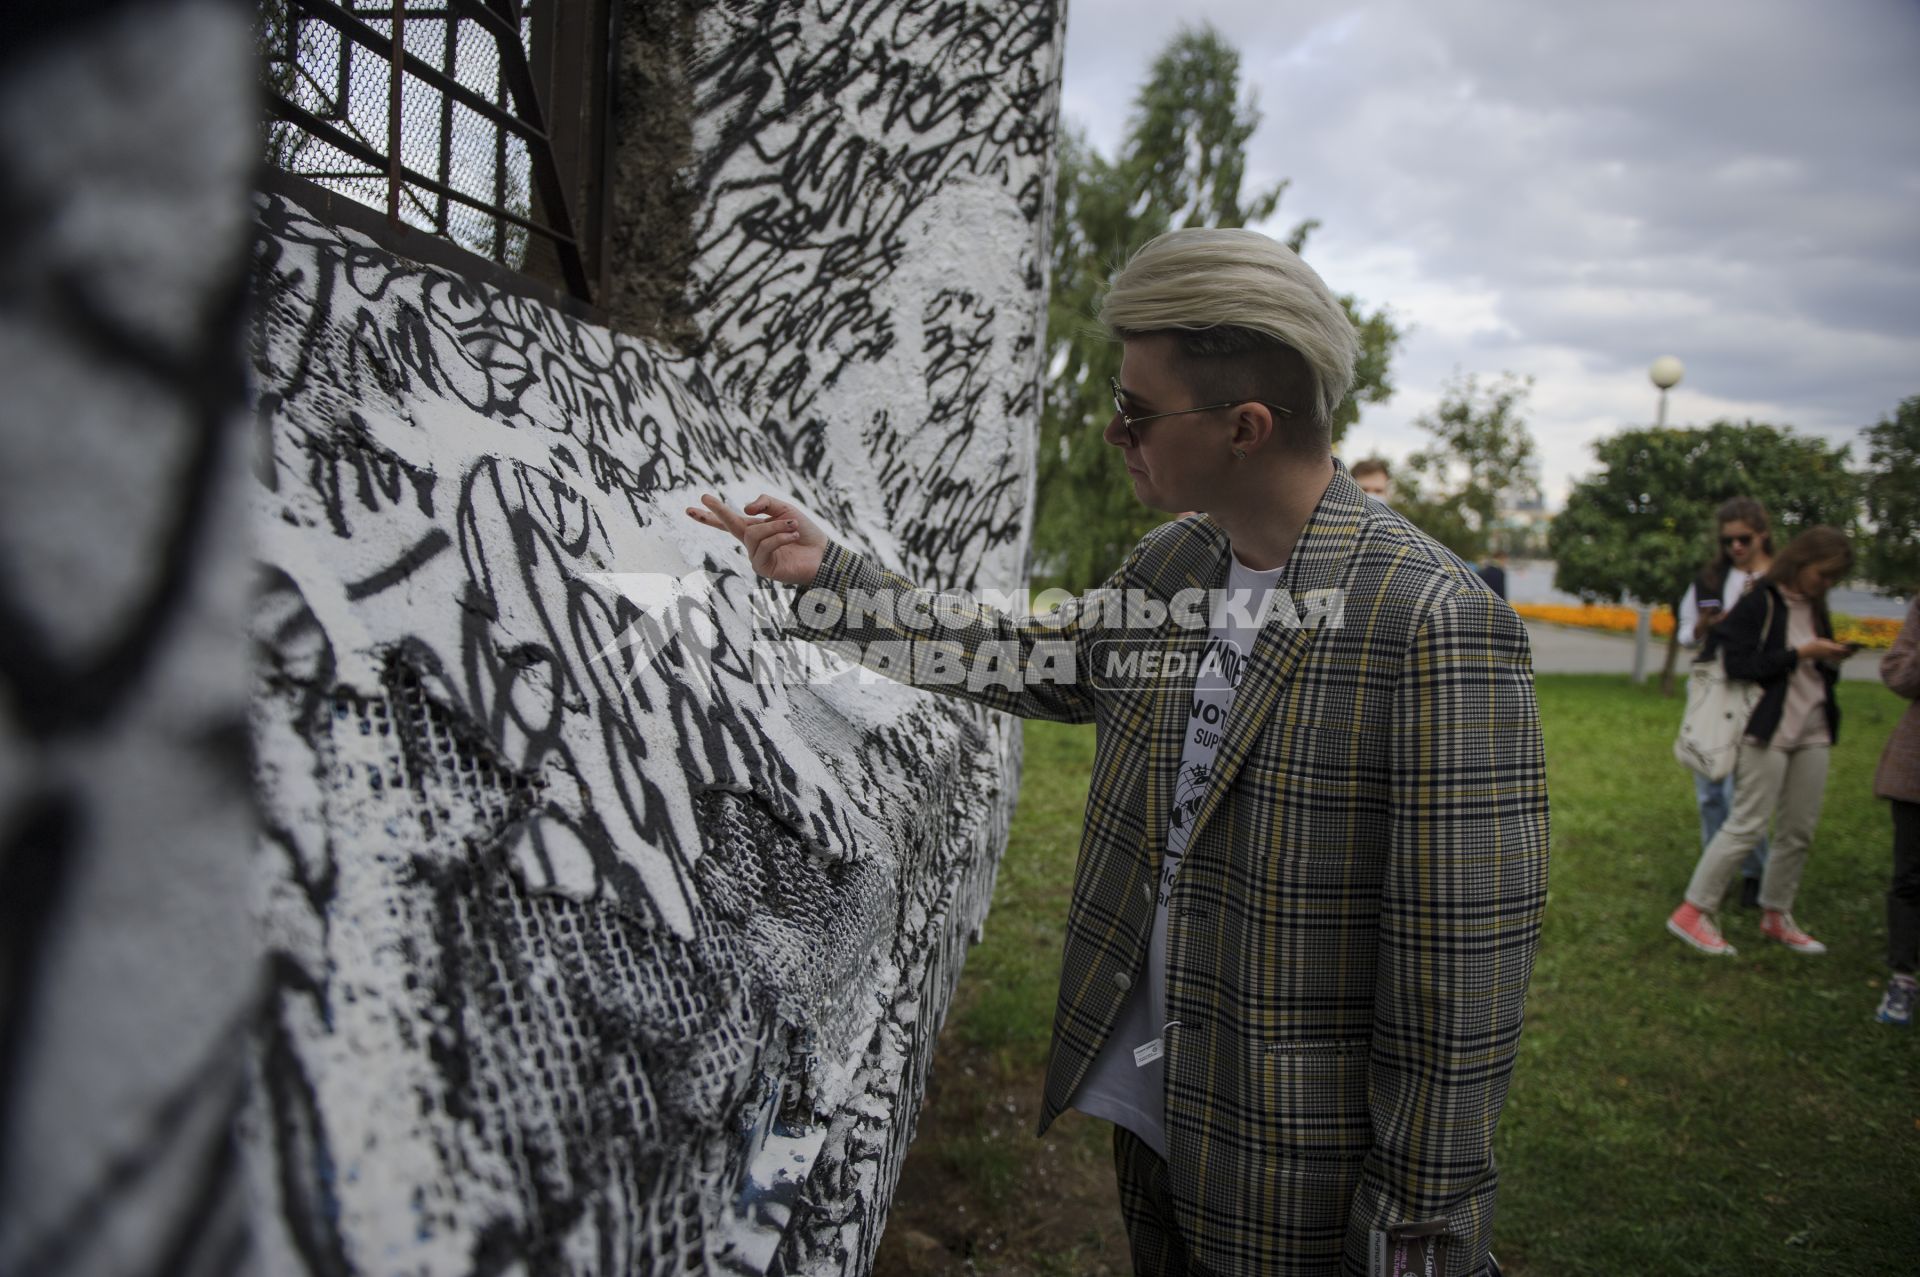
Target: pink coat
<point>1899,774</point>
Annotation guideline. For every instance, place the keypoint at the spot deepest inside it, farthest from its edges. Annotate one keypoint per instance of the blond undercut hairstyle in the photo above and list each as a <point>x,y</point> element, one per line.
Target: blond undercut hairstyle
<point>1252,320</point>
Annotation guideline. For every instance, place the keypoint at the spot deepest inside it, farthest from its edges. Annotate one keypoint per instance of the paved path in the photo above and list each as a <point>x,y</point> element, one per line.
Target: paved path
<point>1561,649</point>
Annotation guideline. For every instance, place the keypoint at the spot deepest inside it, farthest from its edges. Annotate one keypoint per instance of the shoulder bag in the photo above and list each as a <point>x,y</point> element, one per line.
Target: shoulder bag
<point>1718,708</point>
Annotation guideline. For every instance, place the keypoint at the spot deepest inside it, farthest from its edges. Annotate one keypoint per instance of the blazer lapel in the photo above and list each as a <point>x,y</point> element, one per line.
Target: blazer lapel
<point>1198,560</point>
<point>1316,566</point>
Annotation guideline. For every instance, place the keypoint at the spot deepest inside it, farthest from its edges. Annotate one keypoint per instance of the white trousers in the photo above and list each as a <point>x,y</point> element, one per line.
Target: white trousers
<point>1784,786</point>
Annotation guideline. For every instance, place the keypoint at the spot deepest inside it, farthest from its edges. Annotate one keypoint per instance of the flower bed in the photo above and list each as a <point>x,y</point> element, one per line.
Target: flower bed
<point>1594,616</point>
<point>1868,631</point>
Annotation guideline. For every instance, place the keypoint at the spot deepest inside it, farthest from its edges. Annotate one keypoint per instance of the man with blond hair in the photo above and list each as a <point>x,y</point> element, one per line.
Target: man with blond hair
<point>1315,851</point>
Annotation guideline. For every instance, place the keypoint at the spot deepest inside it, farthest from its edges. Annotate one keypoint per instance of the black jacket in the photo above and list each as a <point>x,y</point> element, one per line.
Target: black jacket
<point>1709,586</point>
<point>1766,659</point>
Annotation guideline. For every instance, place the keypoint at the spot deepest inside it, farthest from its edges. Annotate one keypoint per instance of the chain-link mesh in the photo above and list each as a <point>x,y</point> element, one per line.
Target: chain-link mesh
<point>332,81</point>
<point>608,1076</point>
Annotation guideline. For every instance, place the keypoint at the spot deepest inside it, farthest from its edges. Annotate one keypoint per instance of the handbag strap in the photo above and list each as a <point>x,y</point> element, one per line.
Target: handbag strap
<point>1720,656</point>
<point>1713,650</point>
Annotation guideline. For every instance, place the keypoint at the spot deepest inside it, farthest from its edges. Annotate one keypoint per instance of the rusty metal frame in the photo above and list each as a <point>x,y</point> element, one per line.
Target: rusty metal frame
<point>347,213</point>
<point>581,266</point>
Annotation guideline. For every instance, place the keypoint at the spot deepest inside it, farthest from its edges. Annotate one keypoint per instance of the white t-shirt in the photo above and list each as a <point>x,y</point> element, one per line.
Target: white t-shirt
<point>1737,582</point>
<point>1126,1082</point>
<point>1803,717</point>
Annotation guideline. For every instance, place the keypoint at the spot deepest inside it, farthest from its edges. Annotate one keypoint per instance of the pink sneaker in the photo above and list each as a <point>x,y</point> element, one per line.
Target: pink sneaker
<point>1697,929</point>
<point>1780,926</point>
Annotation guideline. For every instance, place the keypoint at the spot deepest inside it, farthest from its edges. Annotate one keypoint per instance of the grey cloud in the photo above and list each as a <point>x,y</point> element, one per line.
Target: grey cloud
<point>1734,182</point>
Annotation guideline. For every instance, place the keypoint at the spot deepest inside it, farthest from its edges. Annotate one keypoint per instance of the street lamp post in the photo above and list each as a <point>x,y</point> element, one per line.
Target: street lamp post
<point>1665,373</point>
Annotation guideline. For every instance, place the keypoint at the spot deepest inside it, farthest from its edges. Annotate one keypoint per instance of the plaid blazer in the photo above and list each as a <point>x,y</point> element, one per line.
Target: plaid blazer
<point>1353,927</point>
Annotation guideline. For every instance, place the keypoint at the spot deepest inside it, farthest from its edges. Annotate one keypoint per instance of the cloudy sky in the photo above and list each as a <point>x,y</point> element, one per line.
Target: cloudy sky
<point>1568,191</point>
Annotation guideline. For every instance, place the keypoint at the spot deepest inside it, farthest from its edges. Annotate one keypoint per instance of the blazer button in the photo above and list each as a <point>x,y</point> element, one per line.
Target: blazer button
<point>1122,981</point>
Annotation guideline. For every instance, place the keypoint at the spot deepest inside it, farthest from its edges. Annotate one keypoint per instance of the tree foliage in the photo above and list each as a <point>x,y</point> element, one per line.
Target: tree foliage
<point>1372,374</point>
<point>1182,163</point>
<point>1890,557</point>
<point>1642,527</point>
<point>1480,458</point>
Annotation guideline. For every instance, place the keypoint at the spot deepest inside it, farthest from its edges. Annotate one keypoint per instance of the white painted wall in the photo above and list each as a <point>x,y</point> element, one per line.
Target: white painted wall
<point>590,947</point>
<point>520,928</point>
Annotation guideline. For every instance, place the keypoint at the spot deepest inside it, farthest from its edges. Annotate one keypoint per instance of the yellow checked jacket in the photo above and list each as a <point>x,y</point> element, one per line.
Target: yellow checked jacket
<point>1353,927</point>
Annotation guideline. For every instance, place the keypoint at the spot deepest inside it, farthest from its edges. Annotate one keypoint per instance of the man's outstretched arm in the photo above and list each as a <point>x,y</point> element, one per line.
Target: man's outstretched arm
<point>1031,666</point>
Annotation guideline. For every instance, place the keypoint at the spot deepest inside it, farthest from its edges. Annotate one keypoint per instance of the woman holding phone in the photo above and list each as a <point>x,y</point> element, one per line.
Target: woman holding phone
<point>1743,553</point>
<point>1781,637</point>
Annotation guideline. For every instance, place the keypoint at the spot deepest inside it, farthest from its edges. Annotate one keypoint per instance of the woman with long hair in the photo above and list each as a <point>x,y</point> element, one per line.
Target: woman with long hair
<point>1781,637</point>
<point>1741,554</point>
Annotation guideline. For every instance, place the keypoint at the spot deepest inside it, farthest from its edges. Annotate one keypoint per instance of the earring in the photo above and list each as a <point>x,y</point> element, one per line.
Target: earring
<point>1240,454</point>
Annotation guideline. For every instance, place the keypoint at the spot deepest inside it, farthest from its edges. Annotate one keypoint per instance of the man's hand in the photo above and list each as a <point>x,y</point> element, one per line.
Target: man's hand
<point>1824,650</point>
<point>783,544</point>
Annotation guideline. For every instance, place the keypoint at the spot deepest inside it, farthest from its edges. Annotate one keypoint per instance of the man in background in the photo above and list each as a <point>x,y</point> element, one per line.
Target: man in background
<point>1494,572</point>
<point>1374,479</point>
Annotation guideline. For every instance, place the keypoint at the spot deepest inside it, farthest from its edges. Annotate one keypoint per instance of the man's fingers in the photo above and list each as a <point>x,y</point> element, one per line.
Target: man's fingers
<point>771,506</point>
<point>768,527</point>
<point>720,510</point>
<point>757,534</point>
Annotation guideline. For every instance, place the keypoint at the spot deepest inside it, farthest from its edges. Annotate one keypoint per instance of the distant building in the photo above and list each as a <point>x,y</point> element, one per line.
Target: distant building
<point>1521,523</point>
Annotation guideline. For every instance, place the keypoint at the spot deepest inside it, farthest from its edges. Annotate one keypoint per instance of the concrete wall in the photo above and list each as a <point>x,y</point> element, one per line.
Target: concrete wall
<point>523,928</point>
<point>129,963</point>
<point>588,950</point>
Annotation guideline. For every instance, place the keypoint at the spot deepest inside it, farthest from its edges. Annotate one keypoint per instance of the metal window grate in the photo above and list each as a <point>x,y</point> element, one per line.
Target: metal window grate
<point>430,111</point>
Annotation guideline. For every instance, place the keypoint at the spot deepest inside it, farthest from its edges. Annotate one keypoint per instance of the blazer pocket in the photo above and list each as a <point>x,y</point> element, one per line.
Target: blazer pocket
<point>1313,1100</point>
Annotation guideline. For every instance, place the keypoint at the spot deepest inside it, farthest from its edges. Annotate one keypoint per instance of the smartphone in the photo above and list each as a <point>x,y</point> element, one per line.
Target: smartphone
<point>1852,647</point>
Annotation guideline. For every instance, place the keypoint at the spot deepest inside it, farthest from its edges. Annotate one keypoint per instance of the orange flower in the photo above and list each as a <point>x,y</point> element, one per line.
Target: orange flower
<point>1868,631</point>
<point>1594,616</point>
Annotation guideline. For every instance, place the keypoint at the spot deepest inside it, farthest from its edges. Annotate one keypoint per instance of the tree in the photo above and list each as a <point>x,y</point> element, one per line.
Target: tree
<point>1890,557</point>
<point>1183,163</point>
<point>1481,455</point>
<point>1642,527</point>
<point>1372,377</point>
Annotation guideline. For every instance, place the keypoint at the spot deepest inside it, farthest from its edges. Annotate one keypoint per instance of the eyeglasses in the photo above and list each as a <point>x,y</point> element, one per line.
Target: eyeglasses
<point>1736,540</point>
<point>1127,423</point>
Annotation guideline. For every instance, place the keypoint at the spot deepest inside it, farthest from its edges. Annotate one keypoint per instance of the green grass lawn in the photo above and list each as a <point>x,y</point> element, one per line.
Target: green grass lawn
<point>1670,1113</point>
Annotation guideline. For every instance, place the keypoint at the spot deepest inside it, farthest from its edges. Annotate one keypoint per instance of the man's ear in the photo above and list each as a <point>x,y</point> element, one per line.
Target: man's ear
<point>1253,426</point>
